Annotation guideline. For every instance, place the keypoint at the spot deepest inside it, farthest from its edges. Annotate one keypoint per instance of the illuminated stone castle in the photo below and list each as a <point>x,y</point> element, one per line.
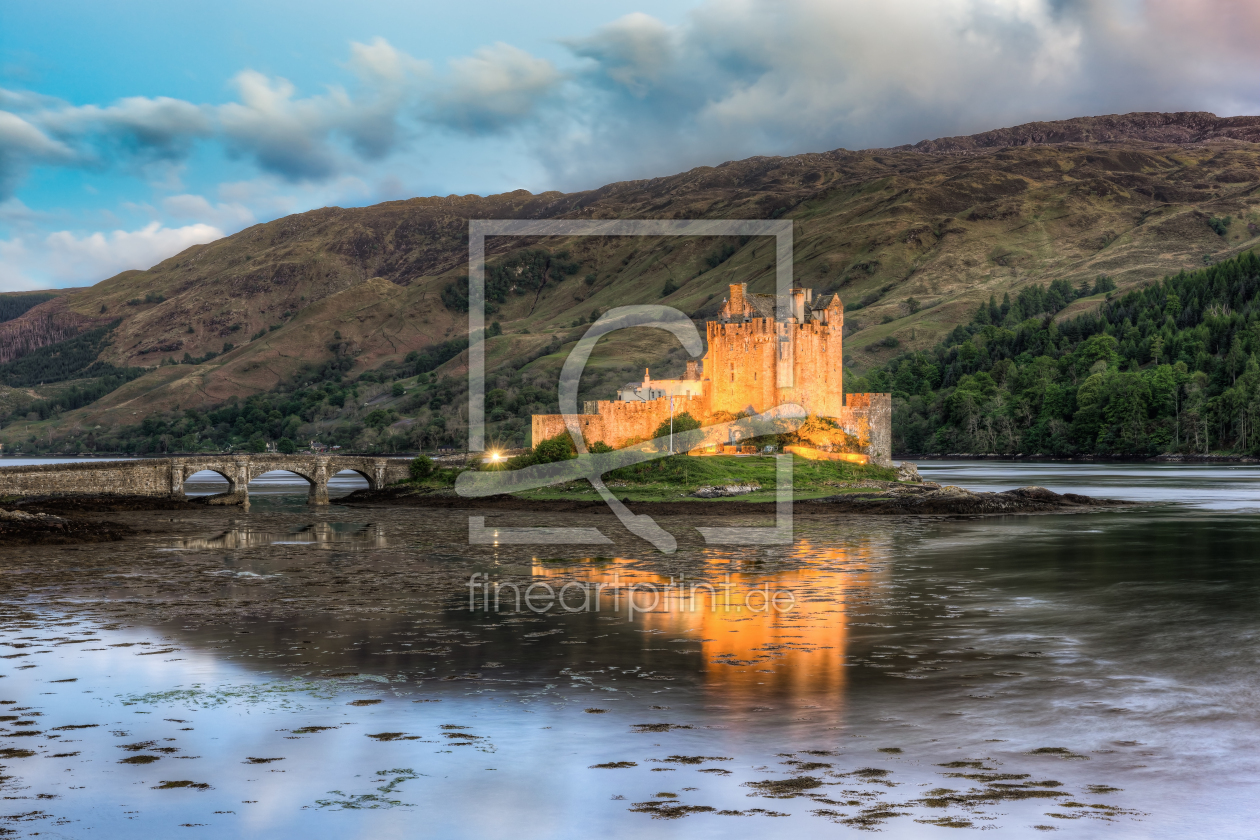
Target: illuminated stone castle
<point>755,362</point>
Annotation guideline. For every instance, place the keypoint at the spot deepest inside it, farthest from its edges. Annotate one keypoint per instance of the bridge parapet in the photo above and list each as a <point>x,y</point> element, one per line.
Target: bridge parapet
<point>166,476</point>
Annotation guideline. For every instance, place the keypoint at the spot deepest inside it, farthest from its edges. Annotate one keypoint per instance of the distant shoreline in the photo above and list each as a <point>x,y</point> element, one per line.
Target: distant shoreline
<point>1123,459</point>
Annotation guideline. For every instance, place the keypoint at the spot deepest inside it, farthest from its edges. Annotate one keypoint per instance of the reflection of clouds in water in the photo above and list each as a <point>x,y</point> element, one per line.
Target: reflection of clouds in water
<point>276,482</point>
<point>1210,486</point>
<point>321,534</point>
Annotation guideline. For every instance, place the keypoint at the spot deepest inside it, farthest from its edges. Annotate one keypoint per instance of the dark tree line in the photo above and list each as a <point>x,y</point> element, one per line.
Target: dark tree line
<point>1171,367</point>
<point>14,306</point>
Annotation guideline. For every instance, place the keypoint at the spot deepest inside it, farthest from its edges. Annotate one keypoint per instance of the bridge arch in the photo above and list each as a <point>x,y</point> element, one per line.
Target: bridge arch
<point>257,472</point>
<point>225,473</point>
<point>360,472</point>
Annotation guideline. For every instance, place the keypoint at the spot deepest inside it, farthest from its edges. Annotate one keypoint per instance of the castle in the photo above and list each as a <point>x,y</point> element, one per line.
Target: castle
<point>755,362</point>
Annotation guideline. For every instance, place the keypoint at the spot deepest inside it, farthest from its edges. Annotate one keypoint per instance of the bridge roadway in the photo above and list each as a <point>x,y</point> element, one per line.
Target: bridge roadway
<point>166,476</point>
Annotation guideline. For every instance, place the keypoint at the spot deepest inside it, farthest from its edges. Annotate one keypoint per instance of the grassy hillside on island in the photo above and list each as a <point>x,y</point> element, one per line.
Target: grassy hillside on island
<point>348,325</point>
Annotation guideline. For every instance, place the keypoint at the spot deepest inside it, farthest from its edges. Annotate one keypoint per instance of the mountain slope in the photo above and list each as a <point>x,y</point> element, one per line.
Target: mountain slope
<point>946,223</point>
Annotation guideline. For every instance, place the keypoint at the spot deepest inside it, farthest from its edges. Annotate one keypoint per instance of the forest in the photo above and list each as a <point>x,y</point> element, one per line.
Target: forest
<point>13,306</point>
<point>1173,367</point>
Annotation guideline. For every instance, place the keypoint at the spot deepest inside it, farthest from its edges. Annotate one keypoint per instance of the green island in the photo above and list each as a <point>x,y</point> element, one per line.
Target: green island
<point>677,478</point>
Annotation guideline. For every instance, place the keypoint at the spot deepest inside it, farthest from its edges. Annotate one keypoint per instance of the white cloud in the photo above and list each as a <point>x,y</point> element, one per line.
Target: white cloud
<point>159,128</point>
<point>747,77</point>
<point>230,216</point>
<point>294,137</point>
<point>64,258</point>
<point>494,88</point>
<point>635,51</point>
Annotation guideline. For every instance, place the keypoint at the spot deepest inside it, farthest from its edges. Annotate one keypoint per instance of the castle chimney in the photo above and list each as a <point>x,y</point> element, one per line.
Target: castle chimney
<point>738,290</point>
<point>798,305</point>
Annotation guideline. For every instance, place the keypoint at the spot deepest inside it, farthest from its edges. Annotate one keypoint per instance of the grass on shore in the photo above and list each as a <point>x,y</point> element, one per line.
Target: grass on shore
<point>675,478</point>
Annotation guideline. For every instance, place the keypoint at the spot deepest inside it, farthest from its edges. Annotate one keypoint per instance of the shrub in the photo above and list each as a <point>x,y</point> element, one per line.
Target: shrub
<point>420,468</point>
<point>520,462</point>
<point>377,418</point>
<point>558,448</point>
<point>397,390</point>
<point>286,446</point>
<point>683,422</point>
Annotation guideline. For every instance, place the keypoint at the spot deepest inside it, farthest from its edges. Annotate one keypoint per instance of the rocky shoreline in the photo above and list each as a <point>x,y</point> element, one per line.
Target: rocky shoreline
<point>67,520</point>
<point>926,499</point>
<point>933,500</point>
<point>1166,458</point>
<point>20,527</point>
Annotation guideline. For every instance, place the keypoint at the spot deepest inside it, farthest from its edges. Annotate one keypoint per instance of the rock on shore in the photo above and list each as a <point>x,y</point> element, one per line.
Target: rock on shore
<point>931,499</point>
<point>19,527</point>
<point>726,490</point>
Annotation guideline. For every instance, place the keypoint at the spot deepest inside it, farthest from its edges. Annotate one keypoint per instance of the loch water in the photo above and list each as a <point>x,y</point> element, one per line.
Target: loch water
<point>293,672</point>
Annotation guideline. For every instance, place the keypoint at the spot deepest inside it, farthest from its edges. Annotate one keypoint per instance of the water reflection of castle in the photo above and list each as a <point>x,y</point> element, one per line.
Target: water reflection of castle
<point>799,652</point>
<point>321,535</point>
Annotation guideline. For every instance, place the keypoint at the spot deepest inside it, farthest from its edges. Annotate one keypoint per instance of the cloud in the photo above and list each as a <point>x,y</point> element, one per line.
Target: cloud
<point>634,52</point>
<point>22,143</point>
<point>295,137</point>
<point>230,216</point>
<point>746,77</point>
<point>283,133</point>
<point>493,89</point>
<point>160,128</point>
<point>64,258</point>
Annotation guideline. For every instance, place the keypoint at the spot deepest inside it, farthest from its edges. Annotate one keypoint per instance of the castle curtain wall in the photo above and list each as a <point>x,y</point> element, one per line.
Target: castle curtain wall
<point>616,423</point>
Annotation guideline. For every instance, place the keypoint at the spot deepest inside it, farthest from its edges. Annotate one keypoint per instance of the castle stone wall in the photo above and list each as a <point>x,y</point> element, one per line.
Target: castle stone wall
<point>618,423</point>
<point>546,426</point>
<point>869,418</point>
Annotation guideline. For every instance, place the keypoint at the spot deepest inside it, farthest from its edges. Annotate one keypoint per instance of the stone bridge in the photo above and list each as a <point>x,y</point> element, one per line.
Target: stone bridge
<point>166,476</point>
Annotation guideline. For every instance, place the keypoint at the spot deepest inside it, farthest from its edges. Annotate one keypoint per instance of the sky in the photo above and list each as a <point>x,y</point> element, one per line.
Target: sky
<point>133,129</point>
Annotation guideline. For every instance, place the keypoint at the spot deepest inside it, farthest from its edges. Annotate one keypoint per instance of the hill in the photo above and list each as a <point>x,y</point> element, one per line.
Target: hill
<point>913,239</point>
<point>1170,368</point>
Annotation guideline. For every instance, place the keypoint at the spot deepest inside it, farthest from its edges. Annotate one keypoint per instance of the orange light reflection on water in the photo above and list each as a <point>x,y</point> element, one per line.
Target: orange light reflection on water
<point>796,652</point>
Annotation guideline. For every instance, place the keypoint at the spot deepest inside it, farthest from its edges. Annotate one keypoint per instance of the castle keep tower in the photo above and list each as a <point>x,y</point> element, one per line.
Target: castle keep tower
<point>756,362</point>
<point>757,359</point>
